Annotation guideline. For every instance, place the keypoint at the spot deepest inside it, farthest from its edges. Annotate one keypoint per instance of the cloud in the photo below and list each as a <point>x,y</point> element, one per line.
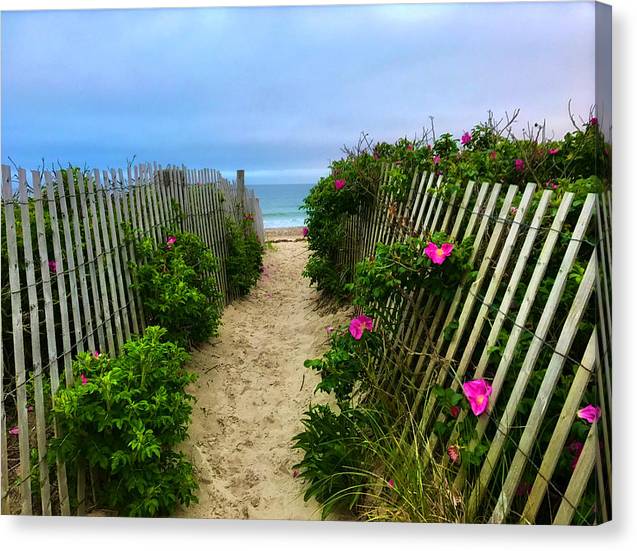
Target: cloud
<point>280,89</point>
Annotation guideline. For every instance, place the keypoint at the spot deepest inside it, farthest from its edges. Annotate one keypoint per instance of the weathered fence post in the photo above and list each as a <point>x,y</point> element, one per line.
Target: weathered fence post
<point>241,189</point>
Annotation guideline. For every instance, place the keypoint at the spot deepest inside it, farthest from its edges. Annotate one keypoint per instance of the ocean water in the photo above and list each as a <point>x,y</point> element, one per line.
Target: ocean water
<point>281,204</point>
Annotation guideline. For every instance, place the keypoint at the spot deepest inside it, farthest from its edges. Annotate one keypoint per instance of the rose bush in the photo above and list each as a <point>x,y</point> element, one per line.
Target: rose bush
<point>580,162</point>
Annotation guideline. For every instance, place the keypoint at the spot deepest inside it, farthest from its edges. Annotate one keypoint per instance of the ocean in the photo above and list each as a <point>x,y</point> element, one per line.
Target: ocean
<point>281,204</point>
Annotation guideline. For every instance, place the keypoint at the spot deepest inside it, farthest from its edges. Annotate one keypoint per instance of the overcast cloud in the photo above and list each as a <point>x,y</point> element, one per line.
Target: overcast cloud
<point>278,91</point>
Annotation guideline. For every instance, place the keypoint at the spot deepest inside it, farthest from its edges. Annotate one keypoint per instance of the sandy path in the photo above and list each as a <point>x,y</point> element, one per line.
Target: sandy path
<point>251,393</point>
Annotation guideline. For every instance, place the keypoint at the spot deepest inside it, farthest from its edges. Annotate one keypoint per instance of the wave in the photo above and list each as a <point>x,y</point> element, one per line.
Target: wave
<point>283,221</point>
<point>292,212</point>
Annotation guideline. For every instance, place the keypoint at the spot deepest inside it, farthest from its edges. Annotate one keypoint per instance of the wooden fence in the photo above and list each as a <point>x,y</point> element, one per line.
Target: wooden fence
<point>67,287</point>
<point>535,250</point>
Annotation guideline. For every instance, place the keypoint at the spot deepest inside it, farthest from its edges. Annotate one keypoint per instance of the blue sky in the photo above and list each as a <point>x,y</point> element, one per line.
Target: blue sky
<point>278,91</point>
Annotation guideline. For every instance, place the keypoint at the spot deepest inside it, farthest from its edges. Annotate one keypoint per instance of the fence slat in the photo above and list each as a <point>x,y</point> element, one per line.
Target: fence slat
<point>560,434</point>
<point>81,264</point>
<point>18,343</point>
<point>34,330</point>
<point>127,250</point>
<point>137,191</point>
<point>51,332</point>
<point>128,218</point>
<point>4,458</point>
<point>153,190</point>
<point>98,326</point>
<point>59,273</point>
<point>109,253</point>
<point>579,480</point>
<point>70,258</point>
<point>124,314</point>
<point>107,322</point>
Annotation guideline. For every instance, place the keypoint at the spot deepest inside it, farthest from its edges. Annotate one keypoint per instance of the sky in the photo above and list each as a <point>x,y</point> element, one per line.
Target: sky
<point>279,91</point>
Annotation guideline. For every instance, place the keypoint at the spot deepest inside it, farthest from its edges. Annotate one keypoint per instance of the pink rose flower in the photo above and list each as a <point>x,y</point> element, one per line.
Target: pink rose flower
<point>339,184</point>
<point>358,325</point>
<point>454,453</point>
<point>14,431</point>
<point>391,483</point>
<point>519,165</point>
<point>590,413</point>
<point>96,354</point>
<point>53,266</point>
<point>438,254</point>
<point>493,155</point>
<point>305,231</point>
<point>171,241</point>
<point>410,147</point>
<point>466,138</point>
<point>554,151</point>
<point>436,159</point>
<point>524,489</point>
<point>477,392</point>
<point>593,121</point>
<point>83,378</point>
<point>575,448</point>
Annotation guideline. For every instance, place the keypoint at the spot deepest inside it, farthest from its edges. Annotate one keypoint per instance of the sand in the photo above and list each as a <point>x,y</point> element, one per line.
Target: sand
<point>276,235</point>
<point>252,391</point>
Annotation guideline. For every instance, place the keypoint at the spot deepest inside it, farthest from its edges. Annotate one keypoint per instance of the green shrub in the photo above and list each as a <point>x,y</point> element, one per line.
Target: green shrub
<point>177,287</point>
<point>327,209</point>
<point>580,163</point>
<point>345,367</point>
<point>327,277</point>
<point>245,256</point>
<point>333,456</point>
<point>403,267</point>
<point>123,417</point>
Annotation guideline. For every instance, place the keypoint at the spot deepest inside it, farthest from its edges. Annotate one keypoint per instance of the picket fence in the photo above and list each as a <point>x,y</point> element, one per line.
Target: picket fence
<point>509,226</point>
<point>85,300</point>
